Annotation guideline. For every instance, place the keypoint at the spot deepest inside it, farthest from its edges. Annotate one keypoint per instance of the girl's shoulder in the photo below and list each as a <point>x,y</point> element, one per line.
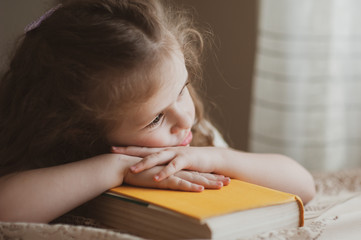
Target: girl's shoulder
<point>218,140</point>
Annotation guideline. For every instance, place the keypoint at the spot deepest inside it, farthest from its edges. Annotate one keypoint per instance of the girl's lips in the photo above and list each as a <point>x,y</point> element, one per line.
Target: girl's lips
<point>188,139</point>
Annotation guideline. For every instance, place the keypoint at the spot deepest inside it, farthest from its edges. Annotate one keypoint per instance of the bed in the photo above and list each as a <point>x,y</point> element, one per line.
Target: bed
<point>335,213</point>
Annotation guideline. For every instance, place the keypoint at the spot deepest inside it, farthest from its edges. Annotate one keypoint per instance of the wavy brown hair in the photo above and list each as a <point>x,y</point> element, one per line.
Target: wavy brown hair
<point>72,73</point>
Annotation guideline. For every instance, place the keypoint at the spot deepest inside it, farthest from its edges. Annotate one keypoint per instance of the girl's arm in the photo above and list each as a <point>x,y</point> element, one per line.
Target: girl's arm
<point>269,170</point>
<point>42,195</point>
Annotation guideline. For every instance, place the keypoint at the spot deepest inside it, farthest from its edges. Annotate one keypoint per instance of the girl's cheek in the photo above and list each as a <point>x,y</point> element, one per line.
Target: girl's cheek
<point>154,141</point>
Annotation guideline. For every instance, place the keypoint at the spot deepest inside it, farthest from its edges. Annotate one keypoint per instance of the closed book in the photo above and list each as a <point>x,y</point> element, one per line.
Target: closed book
<point>238,210</point>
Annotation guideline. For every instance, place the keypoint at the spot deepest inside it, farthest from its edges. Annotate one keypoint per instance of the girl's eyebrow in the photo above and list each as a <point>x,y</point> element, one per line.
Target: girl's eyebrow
<point>185,83</point>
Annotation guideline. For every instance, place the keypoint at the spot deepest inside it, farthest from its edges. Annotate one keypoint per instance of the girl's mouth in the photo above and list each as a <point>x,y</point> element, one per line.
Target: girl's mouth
<point>188,139</point>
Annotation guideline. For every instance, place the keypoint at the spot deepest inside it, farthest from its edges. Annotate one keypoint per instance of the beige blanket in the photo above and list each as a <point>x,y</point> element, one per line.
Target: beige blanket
<point>335,213</point>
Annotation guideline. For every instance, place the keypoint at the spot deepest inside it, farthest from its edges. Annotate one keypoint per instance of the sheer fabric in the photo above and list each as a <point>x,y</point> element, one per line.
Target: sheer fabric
<point>307,92</point>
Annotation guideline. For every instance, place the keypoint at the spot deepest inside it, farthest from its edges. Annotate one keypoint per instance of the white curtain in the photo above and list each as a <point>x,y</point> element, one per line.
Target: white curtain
<point>307,90</point>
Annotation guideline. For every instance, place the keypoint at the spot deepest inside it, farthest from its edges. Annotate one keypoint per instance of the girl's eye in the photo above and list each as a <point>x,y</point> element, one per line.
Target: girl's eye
<point>156,120</point>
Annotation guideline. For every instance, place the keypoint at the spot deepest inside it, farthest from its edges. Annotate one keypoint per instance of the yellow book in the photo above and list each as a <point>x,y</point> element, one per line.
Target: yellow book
<point>238,210</point>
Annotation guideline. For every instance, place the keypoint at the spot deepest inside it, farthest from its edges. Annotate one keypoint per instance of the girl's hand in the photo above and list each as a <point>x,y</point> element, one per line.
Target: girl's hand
<point>200,159</point>
<point>260,169</point>
<point>182,180</point>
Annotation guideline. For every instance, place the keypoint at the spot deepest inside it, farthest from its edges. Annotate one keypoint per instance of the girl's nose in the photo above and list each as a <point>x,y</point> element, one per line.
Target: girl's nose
<point>182,121</point>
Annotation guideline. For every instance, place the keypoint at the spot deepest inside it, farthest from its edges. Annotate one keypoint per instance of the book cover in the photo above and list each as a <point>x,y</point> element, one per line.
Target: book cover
<point>237,196</point>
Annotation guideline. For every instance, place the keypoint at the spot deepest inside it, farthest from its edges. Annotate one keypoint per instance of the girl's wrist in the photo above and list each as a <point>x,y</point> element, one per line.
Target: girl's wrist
<point>118,165</point>
<point>220,158</point>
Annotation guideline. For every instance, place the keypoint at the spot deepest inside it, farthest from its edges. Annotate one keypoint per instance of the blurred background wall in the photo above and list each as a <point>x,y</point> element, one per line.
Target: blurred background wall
<point>228,68</point>
<point>229,75</point>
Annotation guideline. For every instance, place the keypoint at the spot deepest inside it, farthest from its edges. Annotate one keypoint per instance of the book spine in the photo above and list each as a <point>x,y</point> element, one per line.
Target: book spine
<point>301,209</point>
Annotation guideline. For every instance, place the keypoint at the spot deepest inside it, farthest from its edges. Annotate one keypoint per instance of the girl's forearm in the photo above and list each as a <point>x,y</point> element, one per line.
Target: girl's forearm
<point>41,195</point>
<point>269,170</point>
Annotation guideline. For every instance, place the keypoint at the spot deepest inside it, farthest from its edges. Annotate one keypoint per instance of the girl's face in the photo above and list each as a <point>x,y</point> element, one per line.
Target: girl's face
<point>166,118</point>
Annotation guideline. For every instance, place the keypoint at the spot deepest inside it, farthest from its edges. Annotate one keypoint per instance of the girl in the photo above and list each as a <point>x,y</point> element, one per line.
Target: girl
<point>92,74</point>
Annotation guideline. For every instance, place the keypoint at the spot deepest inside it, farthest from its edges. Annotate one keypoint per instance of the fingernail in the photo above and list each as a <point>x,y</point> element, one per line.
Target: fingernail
<point>200,188</point>
<point>115,149</point>
<point>156,178</point>
<point>133,168</point>
<point>227,181</point>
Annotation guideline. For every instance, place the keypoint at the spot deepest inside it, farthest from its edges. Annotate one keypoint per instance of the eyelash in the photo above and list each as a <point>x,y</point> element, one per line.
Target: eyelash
<point>156,121</point>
